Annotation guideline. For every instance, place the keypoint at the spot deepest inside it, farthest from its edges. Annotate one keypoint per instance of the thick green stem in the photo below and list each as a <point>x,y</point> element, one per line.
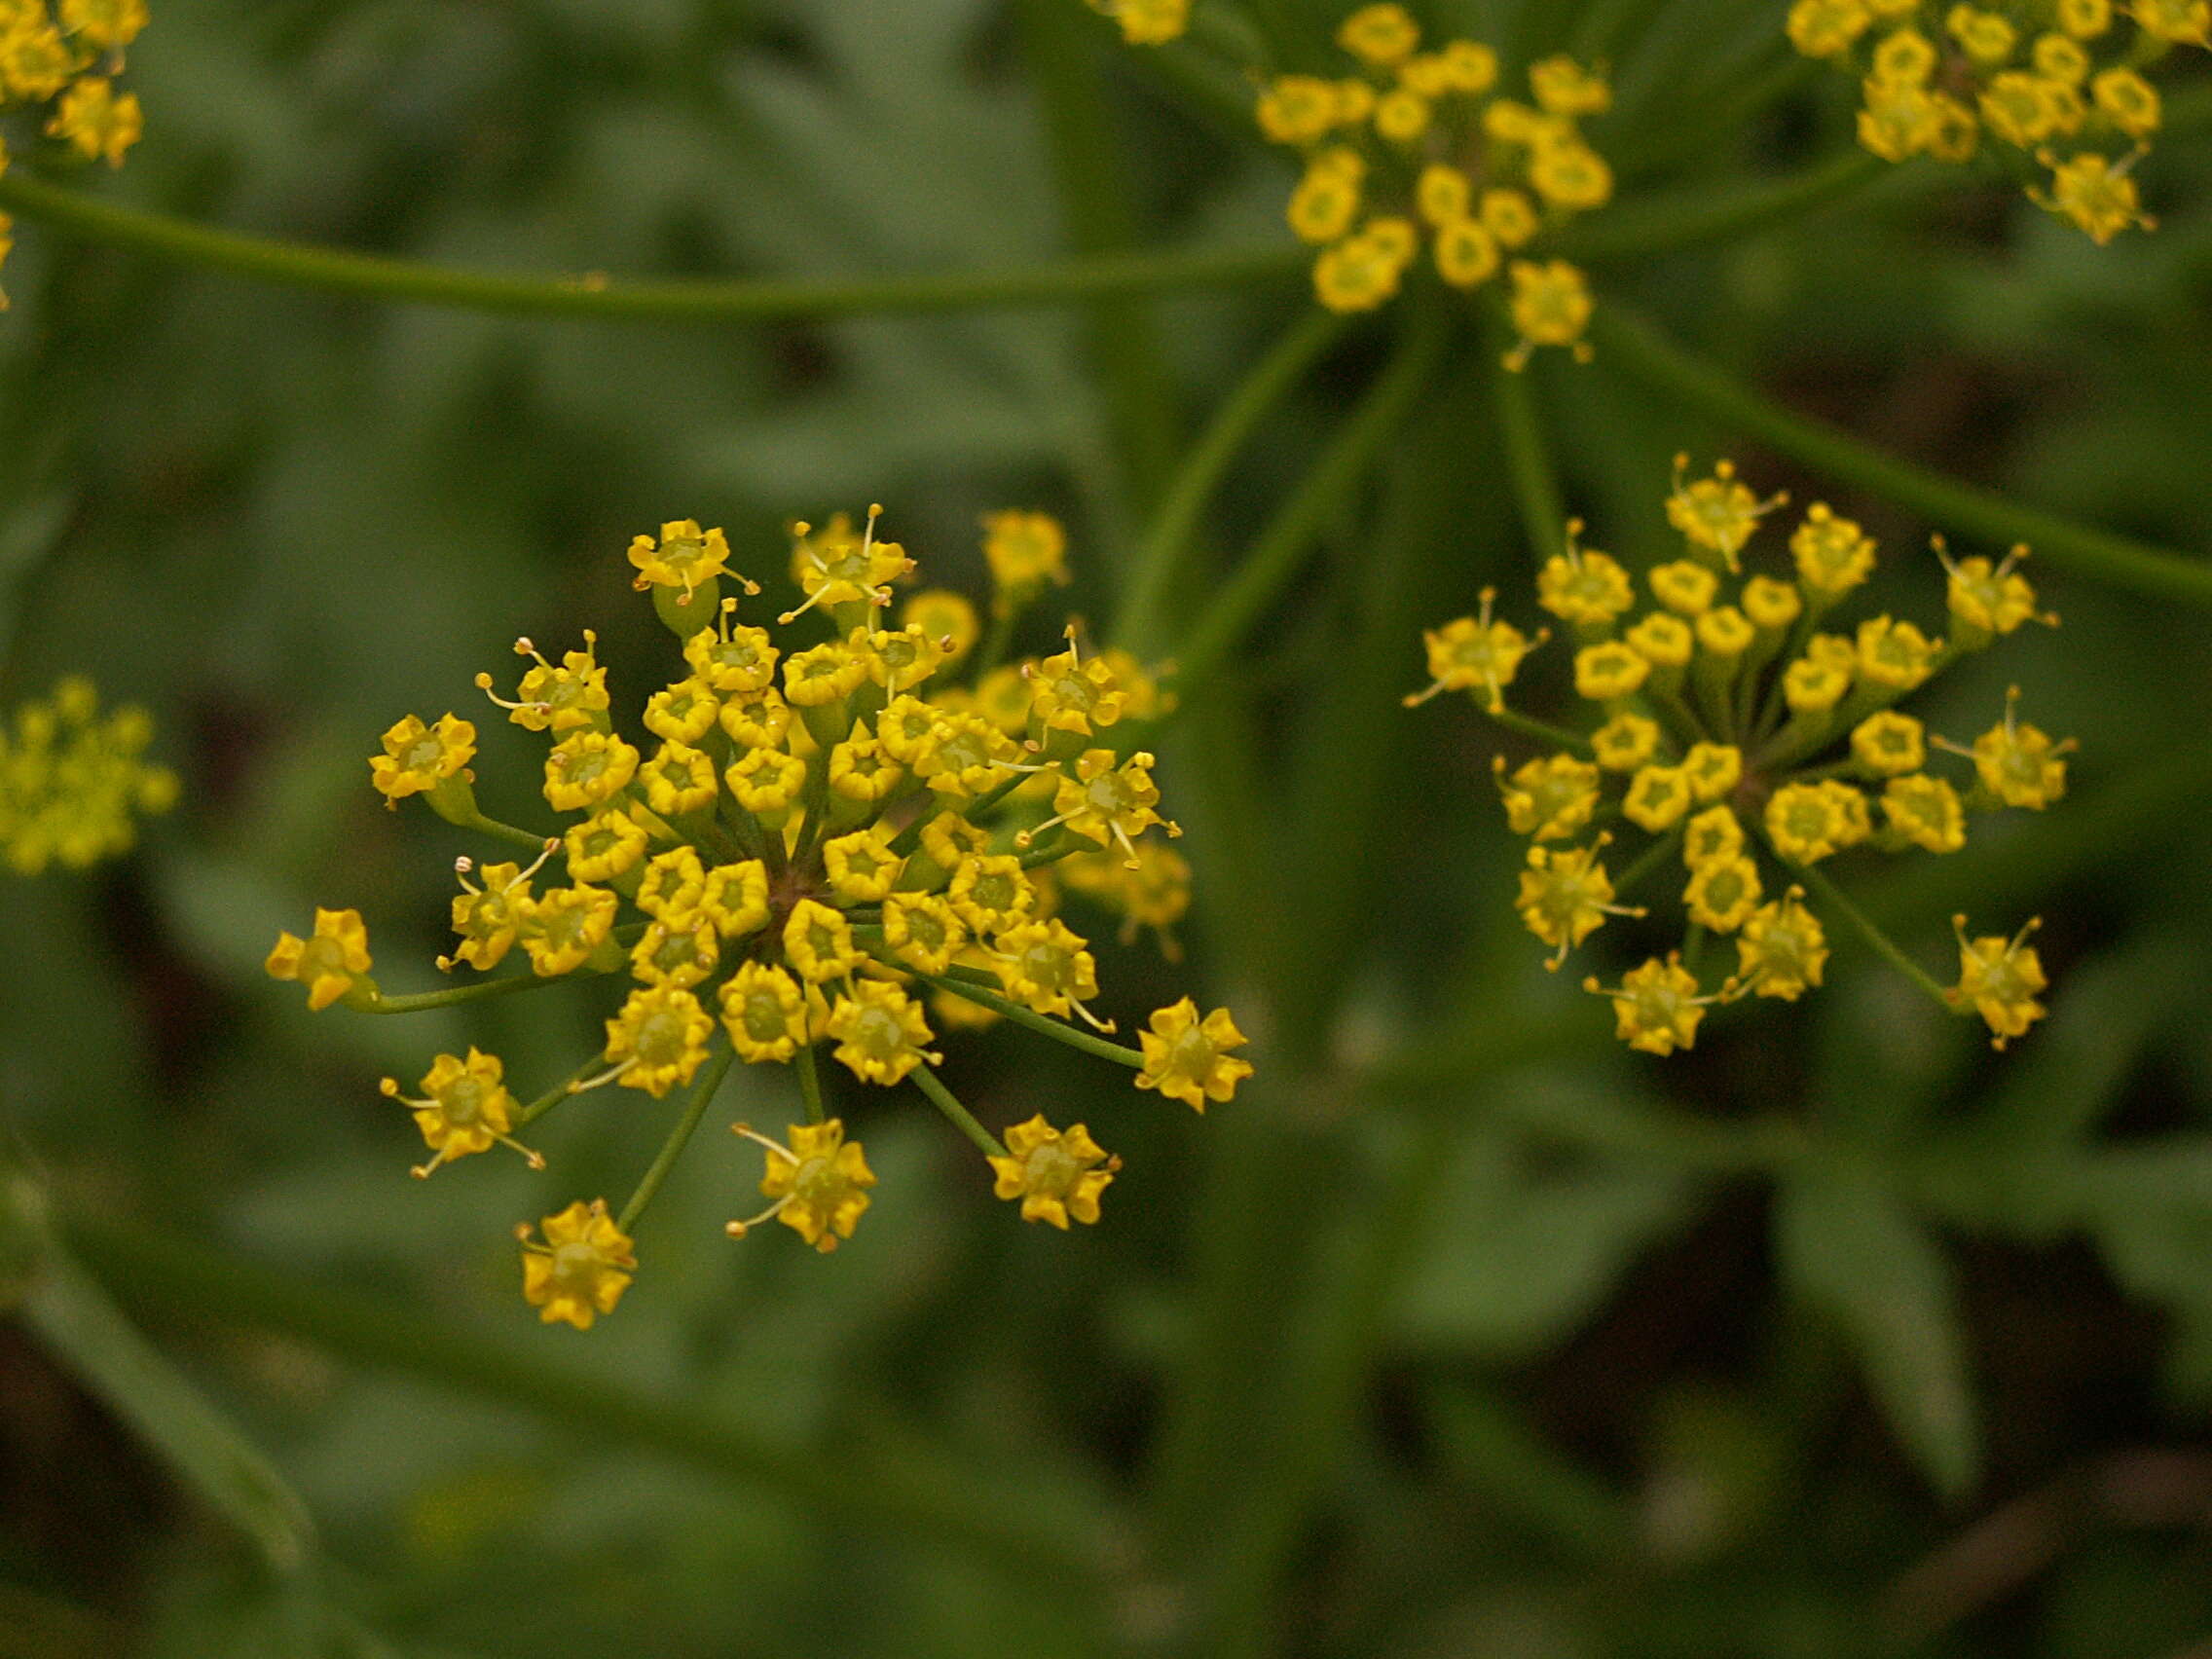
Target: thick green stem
<point>679,1138</point>
<point>1021,1016</point>
<point>1543,731</point>
<point>1831,897</point>
<point>1321,495</point>
<point>169,1272</point>
<point>509,832</point>
<point>956,1114</point>
<point>478,992</point>
<point>594,296</point>
<point>565,1089</point>
<point>1163,559</point>
<point>1643,355</point>
<point>809,1069</point>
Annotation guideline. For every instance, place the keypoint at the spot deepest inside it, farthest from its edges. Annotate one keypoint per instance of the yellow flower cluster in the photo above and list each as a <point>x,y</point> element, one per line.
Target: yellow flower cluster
<point>71,781</point>
<point>2059,81</point>
<point>1418,144</point>
<point>1147,22</point>
<point>825,833</point>
<point>65,60</point>
<point>1748,741</point>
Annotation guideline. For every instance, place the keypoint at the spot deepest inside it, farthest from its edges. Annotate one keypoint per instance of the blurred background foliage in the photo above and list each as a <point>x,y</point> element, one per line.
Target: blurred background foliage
<point>1466,1331</point>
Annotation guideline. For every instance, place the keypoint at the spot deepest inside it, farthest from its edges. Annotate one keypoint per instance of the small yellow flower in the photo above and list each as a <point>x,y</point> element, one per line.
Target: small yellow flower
<point>1833,554</point>
<point>2093,193</point>
<point>685,712</point>
<point>1719,513</point>
<point>1625,741</point>
<point>861,770</point>
<point>818,943</point>
<point>1685,586</point>
<point>764,1013</point>
<point>946,618</point>
<point>1826,28</point>
<point>756,719</point>
<point>1781,949</point>
<point>1606,673</point>
<point>1770,605</point>
<point>1657,798</point>
<point>673,882</point>
<point>2084,20</point>
<point>1106,802</point>
<point>766,782</point>
<point>679,949</point>
<point>1057,1177</point>
<point>924,929</point>
<point>1722,893</point>
<point>832,568</point>
<point>1466,253</point>
<point>2127,100</point>
<point>418,756</point>
<point>2000,978</point>
<point>97,125</point>
<point>104,25</point>
<point>1443,194</point>
<point>991,892</point>
<point>1026,550</point>
<point>684,556</point>
<point>608,844</point>
<point>1808,821</point>
<point>464,1108</point>
<point>881,1033</point>
<point>2184,22</point>
<point>1509,216</point>
<point>1070,694</point>
<point>1661,640</point>
<point>1190,1060</point>
<point>35,62</point>
<point>1402,115</point>
<point>862,866</point>
<point>566,698</point>
<point>1357,274</point>
<point>963,757</point>
<point>1656,1008</point>
<point>1571,177</point>
<point>490,918</point>
<point>1888,745</point>
<point>587,768</point>
<point>1714,834</point>
<point>1550,798</point>
<point>814,678</point>
<point>1380,35</point>
<point>561,928</point>
<point>1550,305</point>
<point>1474,653</point>
<point>1147,22</point>
<point>1047,967</point>
<point>1297,109</point>
<point>734,896</point>
<point>818,1184</point>
<point>1724,632</point>
<point>1895,656</point>
<point>1925,812</point>
<point>2019,764</point>
<point>658,1040</point>
<point>1565,895</point>
<point>1712,770</point>
<point>1583,586</point>
<point>732,659</point>
<point>582,1269</point>
<point>329,961</point>
<point>678,779</point>
<point>1816,682</point>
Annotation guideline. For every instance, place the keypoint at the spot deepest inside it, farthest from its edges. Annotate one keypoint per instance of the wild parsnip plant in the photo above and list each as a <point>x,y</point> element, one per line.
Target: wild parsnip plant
<point>1319,327</point>
<point>826,824</point>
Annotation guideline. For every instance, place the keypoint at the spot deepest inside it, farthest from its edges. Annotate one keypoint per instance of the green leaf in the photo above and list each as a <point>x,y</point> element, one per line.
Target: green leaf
<point>1849,1248</point>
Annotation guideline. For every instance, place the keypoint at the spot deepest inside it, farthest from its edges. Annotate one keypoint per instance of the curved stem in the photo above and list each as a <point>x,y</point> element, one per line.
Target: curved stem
<point>1645,226</point>
<point>594,295</point>
<point>956,1114</point>
<point>1832,896</point>
<point>420,1000</point>
<point>1021,1016</point>
<point>560,1092</point>
<point>1274,558</point>
<point>679,1138</point>
<point>1529,726</point>
<point>511,834</point>
<point>1528,460</point>
<point>1646,356</point>
<point>1167,546</point>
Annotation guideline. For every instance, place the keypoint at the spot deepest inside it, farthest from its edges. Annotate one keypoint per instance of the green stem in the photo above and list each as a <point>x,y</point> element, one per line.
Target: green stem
<point>1291,534</point>
<point>1646,356</point>
<point>1645,226</point>
<point>1832,896</point>
<point>1528,460</point>
<point>565,1089</point>
<point>334,270</point>
<point>1541,730</point>
<point>1647,861</point>
<point>174,1273</point>
<point>679,1138</point>
<point>1167,547</point>
<point>809,1083</point>
<point>956,1114</point>
<point>1021,1016</point>
<point>509,832</point>
<point>483,988</point>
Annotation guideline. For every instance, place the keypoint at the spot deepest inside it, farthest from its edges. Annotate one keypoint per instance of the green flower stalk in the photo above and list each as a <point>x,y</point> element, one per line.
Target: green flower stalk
<point>818,825</point>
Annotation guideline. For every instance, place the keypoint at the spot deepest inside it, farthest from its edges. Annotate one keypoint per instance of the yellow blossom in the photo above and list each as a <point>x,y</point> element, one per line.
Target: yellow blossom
<point>97,125</point>
<point>1550,798</point>
<point>1191,1060</point>
<point>1719,513</point>
<point>881,1033</point>
<point>659,1039</point>
<point>1888,744</point>
<point>673,882</point>
<point>1606,673</point>
<point>329,962</point>
<point>1625,741</point>
<point>1656,1008</point>
<point>1550,305</point>
<point>1057,1176</point>
<point>1565,895</point>
<point>2000,978</point>
<point>1474,653</point>
<point>818,943</point>
<point>734,896</point>
<point>1722,893</point>
<point>2017,763</point>
<point>683,556</point>
<point>1714,834</point>
<point>418,756</point>
<point>1380,34</point>
<point>1583,586</point>
<point>1685,586</point>
<point>1657,798</point>
<point>1925,812</point>
<point>862,866</point>
<point>818,1184</point>
<point>566,698</point>
<point>1781,949</point>
<point>679,949</point>
<point>562,927</point>
<point>582,1269</point>
<point>464,1108</point>
<point>587,768</point>
<point>684,713</point>
<point>1833,554</point>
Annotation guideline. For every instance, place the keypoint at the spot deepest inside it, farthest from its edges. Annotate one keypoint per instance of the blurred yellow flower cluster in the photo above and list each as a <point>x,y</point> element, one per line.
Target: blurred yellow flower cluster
<point>73,782</point>
<point>1420,145</point>
<point>829,833</point>
<point>64,62</point>
<point>2060,82</point>
<point>1738,737</point>
<point>1147,22</point>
